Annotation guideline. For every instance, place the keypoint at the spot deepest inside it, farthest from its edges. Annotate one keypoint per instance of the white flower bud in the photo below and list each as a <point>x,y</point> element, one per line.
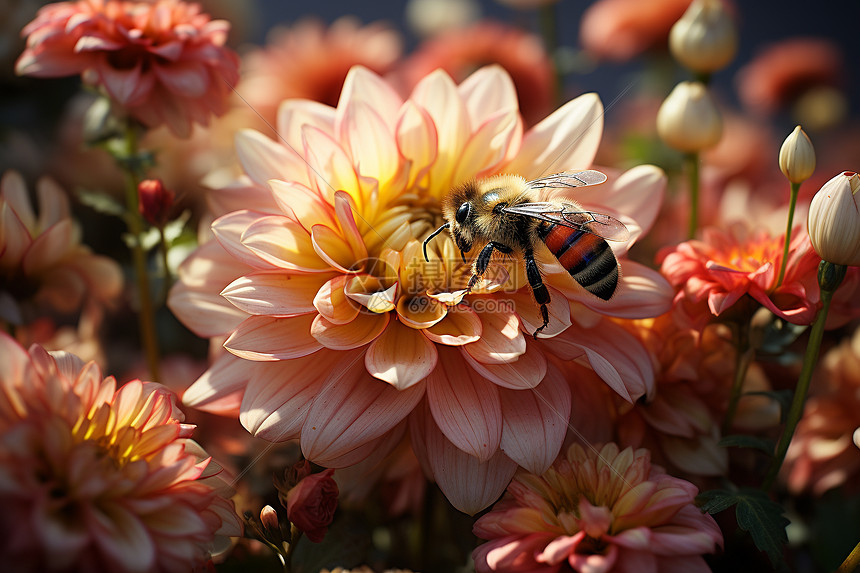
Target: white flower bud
<point>797,156</point>
<point>834,220</point>
<point>689,120</point>
<point>705,39</point>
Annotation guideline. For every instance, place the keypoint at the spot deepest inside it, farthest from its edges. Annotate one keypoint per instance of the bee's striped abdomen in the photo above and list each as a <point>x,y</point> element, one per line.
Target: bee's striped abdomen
<point>587,258</point>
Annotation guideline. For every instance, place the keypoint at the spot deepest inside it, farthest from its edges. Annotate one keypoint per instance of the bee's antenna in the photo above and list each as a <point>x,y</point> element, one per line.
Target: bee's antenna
<point>433,234</point>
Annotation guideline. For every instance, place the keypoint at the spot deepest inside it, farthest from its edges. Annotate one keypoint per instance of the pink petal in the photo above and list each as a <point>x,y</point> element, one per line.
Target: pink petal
<point>416,140</point>
<point>302,204</point>
<point>334,250</point>
<point>219,390</point>
<point>488,91</point>
<point>275,293</point>
<point>370,140</point>
<point>465,406</point>
<point>228,229</point>
<point>128,87</point>
<point>535,422</point>
<point>469,484</point>
<point>264,159</point>
<point>49,247</point>
<point>121,536</point>
<point>401,356</point>
<point>332,302</point>
<point>460,326</point>
<point>501,340</point>
<point>268,339</point>
<point>566,140</point>
<point>13,192</point>
<point>53,203</point>
<point>488,145</point>
<point>365,327</point>
<point>526,371</point>
<point>363,86</point>
<point>279,395</point>
<point>283,243</point>
<point>184,78</point>
<point>374,449</point>
<point>352,408</point>
<point>293,114</point>
<point>331,168</point>
<point>615,355</point>
<point>642,293</point>
<point>558,550</point>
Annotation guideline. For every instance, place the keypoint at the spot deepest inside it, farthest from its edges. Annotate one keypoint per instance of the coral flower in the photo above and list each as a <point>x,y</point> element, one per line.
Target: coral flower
<point>310,60</point>
<point>342,335</point>
<point>597,510</point>
<point>163,62</point>
<point>99,479</point>
<point>784,71</point>
<point>618,30</point>
<point>43,265</point>
<point>822,454</point>
<point>459,51</point>
<point>713,274</point>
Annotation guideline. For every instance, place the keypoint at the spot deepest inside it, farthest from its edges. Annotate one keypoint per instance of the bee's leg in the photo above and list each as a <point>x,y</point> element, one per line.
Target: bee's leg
<point>483,261</point>
<point>539,290</point>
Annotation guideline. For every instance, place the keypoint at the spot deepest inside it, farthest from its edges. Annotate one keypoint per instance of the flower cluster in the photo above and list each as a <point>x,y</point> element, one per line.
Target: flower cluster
<point>97,478</point>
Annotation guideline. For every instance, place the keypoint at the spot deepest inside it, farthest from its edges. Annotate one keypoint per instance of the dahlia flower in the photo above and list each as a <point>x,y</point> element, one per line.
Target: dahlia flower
<point>163,62</point>
<point>310,60</point>
<point>822,454</point>
<point>43,265</point>
<point>342,335</point>
<point>713,274</point>
<point>99,479</point>
<point>597,510</point>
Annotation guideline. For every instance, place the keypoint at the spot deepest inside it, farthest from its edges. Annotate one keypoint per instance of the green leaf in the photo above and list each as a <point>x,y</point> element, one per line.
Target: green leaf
<point>100,202</point>
<point>715,500</point>
<point>755,513</point>
<point>763,518</point>
<point>765,445</point>
<point>173,230</point>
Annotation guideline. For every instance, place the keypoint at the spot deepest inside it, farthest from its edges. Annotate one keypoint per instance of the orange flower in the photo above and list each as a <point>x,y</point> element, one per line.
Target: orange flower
<point>597,510</point>
<point>822,454</point>
<point>101,479</point>
<point>163,62</point>
<point>621,29</point>
<point>459,51</point>
<point>42,261</point>
<point>310,60</point>
<point>713,274</point>
<point>342,335</point>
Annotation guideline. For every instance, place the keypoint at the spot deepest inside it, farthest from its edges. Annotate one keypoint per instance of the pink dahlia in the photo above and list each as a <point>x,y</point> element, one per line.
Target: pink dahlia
<point>824,453</point>
<point>341,334</point>
<point>714,274</point>
<point>310,60</point>
<point>43,265</point>
<point>162,62</point>
<point>598,510</point>
<point>99,479</point>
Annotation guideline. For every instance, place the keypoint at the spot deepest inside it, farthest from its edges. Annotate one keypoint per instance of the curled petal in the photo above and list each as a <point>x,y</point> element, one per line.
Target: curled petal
<point>266,338</point>
<point>501,342</point>
<point>401,356</point>
<point>460,326</point>
<point>364,328</point>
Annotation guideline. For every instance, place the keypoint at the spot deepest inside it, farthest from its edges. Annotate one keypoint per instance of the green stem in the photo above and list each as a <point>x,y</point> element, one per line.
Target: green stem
<point>146,316</point>
<point>692,161</point>
<point>795,187</point>
<point>549,31</point>
<point>743,358</point>
<point>829,277</point>
<point>163,249</point>
<point>851,562</point>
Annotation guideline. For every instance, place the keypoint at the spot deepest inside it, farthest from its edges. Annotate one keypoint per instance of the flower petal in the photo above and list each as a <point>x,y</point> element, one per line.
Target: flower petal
<point>535,422</point>
<point>526,371</point>
<point>283,243</point>
<point>465,406</point>
<point>219,390</point>
<point>401,356</point>
<point>460,326</point>
<point>263,159</point>
<point>353,408</point>
<point>364,328</point>
<point>267,339</point>
<point>501,341</point>
<point>275,293</point>
<point>565,140</point>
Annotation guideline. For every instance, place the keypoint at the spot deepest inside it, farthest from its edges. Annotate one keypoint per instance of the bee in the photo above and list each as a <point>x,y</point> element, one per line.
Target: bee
<point>504,213</point>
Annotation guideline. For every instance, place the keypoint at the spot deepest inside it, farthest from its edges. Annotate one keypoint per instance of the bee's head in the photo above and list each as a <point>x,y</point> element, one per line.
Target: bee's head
<point>458,208</point>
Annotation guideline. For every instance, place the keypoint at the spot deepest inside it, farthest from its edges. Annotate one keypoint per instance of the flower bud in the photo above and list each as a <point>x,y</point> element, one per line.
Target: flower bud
<point>154,201</point>
<point>689,120</point>
<point>312,503</point>
<point>797,156</point>
<point>834,220</point>
<point>269,518</point>
<point>705,39</point>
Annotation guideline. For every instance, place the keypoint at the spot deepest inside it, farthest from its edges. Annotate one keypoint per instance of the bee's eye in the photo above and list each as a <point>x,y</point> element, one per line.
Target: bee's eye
<point>463,213</point>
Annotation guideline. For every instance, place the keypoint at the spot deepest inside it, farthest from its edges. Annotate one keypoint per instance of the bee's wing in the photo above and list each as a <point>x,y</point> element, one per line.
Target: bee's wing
<point>568,179</point>
<point>568,215</point>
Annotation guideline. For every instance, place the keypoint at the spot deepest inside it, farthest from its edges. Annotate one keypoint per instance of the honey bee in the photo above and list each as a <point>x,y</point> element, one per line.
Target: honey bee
<point>504,213</point>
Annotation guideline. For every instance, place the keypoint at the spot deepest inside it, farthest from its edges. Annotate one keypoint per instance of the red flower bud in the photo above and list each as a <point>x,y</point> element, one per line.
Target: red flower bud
<point>311,504</point>
<point>154,201</point>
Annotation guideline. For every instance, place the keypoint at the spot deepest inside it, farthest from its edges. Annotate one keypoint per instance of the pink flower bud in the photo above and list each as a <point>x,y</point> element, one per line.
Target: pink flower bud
<point>154,201</point>
<point>269,518</point>
<point>312,503</point>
